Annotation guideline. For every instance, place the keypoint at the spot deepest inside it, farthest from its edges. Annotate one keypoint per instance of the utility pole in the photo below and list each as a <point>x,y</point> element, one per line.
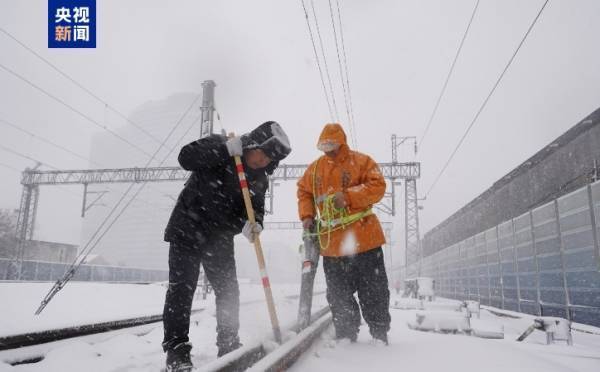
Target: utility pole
<point>207,108</point>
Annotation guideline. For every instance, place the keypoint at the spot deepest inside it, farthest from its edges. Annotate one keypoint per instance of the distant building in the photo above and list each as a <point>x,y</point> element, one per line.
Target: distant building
<point>37,250</point>
<point>137,239</point>
<point>8,223</point>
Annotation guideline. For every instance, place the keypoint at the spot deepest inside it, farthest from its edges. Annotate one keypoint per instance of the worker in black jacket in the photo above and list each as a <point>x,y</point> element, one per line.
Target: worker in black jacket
<point>209,211</point>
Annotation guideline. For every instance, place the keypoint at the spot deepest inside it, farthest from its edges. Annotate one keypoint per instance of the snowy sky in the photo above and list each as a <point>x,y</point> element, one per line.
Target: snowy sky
<point>260,55</point>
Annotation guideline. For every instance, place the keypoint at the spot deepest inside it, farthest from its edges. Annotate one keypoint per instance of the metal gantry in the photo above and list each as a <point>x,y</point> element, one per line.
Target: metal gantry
<point>284,172</point>
<point>412,240</point>
<point>25,225</point>
<point>33,178</point>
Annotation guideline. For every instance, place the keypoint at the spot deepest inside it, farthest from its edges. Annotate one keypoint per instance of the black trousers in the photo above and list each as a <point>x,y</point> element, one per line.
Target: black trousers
<point>363,273</point>
<point>217,258</point>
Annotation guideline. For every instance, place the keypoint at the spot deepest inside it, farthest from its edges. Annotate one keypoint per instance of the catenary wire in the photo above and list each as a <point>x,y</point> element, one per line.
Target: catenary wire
<point>460,142</point>
<point>63,148</point>
<point>339,60</point>
<point>70,107</point>
<point>347,75</point>
<point>85,251</point>
<point>312,39</point>
<point>445,85</point>
<point>335,110</point>
<point>78,84</point>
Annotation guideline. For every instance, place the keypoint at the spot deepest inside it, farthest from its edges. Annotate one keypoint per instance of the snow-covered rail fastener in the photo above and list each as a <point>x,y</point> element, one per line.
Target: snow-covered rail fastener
<point>261,357</point>
<point>515,315</point>
<point>36,338</point>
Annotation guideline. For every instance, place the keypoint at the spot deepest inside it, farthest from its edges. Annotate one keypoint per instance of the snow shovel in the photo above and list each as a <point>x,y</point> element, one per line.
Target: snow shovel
<point>259,252</point>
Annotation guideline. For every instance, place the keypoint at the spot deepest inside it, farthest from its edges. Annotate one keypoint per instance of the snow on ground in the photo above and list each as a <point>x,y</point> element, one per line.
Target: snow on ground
<point>77,303</point>
<point>139,349</point>
<point>418,351</point>
<point>134,349</point>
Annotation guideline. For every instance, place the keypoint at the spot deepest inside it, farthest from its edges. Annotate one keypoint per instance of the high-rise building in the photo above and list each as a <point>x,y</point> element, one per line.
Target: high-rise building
<point>136,240</point>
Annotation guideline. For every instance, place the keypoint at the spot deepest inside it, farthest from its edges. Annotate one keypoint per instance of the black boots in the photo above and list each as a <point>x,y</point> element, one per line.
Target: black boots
<point>228,348</point>
<point>178,358</point>
<point>381,336</point>
<point>351,336</point>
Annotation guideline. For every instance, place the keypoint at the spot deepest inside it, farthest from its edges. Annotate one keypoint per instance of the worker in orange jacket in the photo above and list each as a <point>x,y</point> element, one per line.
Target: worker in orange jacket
<point>335,199</point>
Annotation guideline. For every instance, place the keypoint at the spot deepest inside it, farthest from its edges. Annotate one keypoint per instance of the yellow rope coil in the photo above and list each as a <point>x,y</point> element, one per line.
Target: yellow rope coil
<point>333,218</point>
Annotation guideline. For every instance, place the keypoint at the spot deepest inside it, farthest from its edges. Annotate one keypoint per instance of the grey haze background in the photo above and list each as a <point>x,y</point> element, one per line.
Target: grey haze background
<point>260,55</point>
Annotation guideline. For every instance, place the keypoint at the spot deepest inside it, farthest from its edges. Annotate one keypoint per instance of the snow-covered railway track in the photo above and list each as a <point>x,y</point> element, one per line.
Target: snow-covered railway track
<point>52,335</point>
<point>268,356</point>
<point>263,355</point>
<point>32,347</point>
<point>37,338</point>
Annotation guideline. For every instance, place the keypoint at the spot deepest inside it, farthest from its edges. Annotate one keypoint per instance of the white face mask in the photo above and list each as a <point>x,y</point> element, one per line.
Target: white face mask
<point>327,146</point>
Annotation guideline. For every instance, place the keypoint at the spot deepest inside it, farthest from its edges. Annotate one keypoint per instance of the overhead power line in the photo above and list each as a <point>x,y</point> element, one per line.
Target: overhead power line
<point>19,154</point>
<point>91,244</point>
<point>63,148</point>
<point>335,110</point>
<point>62,102</point>
<point>342,77</point>
<point>312,39</point>
<point>118,203</point>
<point>78,84</point>
<point>90,93</point>
<point>54,168</point>
<point>445,85</point>
<point>347,74</point>
<point>8,166</point>
<point>138,191</point>
<point>45,140</point>
<point>460,142</point>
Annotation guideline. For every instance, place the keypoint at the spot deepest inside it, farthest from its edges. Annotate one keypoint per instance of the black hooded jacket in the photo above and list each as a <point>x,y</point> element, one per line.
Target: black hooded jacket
<point>211,201</point>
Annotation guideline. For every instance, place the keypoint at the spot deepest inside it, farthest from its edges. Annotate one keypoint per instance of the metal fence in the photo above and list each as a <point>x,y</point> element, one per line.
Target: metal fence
<point>51,271</point>
<point>544,262</point>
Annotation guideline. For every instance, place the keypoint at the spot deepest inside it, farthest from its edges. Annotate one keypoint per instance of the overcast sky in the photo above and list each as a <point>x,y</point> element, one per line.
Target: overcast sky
<point>261,57</point>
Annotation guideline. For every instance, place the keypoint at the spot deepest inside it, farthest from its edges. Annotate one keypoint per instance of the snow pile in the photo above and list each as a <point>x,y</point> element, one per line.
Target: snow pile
<point>444,305</point>
<point>408,304</point>
<point>411,350</point>
<point>487,329</point>
<point>441,321</point>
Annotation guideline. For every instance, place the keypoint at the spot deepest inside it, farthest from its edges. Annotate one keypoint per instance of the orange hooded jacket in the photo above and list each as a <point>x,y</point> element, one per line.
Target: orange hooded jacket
<point>359,178</point>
